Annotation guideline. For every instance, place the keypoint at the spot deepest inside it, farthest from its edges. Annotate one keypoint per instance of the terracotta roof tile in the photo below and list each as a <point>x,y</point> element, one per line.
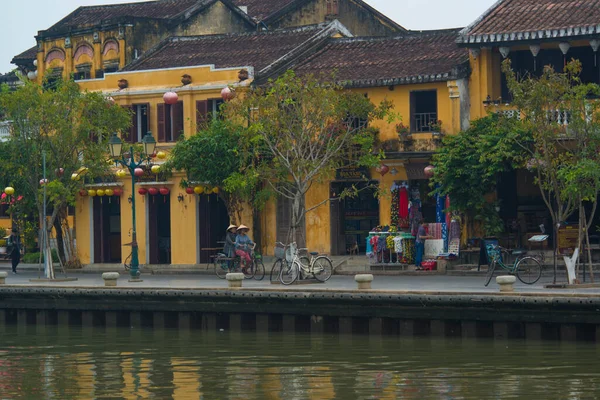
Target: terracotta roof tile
<point>261,9</point>
<point>514,16</point>
<point>257,49</point>
<point>413,58</point>
<point>27,55</point>
<point>94,15</point>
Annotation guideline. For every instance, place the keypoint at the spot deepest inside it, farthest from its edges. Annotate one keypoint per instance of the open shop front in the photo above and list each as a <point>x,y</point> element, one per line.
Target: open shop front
<point>394,246</point>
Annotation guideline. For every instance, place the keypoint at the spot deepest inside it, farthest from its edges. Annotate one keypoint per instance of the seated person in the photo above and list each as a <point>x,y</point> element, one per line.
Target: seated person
<point>243,245</point>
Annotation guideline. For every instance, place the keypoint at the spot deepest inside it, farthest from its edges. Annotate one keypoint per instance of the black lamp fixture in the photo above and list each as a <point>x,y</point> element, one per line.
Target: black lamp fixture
<point>180,198</point>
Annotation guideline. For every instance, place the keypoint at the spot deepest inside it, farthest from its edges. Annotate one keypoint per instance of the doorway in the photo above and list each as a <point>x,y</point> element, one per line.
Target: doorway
<point>213,221</point>
<point>107,230</point>
<point>352,218</point>
<point>159,229</point>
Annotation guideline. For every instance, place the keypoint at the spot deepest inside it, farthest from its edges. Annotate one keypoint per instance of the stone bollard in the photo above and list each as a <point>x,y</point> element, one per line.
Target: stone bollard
<point>3,276</point>
<point>364,281</point>
<point>235,279</point>
<point>506,283</point>
<point>110,278</point>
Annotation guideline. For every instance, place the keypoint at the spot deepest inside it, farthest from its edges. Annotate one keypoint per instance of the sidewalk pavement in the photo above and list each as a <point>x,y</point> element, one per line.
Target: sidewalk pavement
<point>421,283</point>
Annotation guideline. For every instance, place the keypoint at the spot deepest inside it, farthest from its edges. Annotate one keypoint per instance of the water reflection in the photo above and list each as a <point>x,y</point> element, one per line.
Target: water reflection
<point>124,364</point>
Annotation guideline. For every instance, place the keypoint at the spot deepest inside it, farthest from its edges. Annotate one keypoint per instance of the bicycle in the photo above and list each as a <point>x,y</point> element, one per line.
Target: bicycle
<point>319,266</point>
<point>526,267</point>
<point>283,258</point>
<point>225,265</point>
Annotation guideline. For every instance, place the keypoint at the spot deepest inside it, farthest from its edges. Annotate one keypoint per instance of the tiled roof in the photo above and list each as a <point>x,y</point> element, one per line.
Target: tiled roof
<point>261,9</point>
<point>509,20</point>
<point>27,55</point>
<point>413,58</point>
<point>256,49</point>
<point>94,15</point>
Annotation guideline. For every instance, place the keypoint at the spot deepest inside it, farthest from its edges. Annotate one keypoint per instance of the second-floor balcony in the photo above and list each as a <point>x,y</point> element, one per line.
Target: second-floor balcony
<point>423,122</point>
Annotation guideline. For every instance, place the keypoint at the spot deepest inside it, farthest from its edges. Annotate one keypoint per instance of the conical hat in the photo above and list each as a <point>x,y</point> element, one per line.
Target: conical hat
<point>243,227</point>
<point>232,226</point>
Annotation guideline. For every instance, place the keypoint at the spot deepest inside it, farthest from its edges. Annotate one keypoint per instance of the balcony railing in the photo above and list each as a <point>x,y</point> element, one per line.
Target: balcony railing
<point>5,128</point>
<point>423,121</point>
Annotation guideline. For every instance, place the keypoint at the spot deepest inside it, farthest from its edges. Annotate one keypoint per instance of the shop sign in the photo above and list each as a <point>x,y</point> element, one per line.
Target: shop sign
<point>352,174</point>
<point>568,238</point>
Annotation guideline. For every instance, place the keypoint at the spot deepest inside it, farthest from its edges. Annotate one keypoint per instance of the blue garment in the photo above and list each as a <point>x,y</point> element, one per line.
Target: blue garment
<point>229,248</point>
<point>420,233</point>
<point>419,249</point>
<point>243,242</point>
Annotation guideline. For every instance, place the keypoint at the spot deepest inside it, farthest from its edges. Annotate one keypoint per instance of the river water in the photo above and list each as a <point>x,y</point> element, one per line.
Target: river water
<point>78,363</point>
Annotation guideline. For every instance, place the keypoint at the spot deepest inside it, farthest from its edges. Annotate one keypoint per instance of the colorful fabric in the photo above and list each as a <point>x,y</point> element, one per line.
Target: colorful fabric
<point>445,236</point>
<point>395,212</point>
<point>398,244</point>
<point>244,256</point>
<point>403,203</point>
<point>440,202</point>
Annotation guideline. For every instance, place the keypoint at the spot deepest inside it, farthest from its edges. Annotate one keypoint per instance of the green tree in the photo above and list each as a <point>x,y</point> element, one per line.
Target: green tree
<point>71,128</point>
<point>468,164</point>
<point>565,125</point>
<point>304,128</point>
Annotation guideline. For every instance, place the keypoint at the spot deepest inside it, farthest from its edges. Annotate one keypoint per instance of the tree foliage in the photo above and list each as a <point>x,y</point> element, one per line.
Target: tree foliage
<point>71,128</point>
<point>299,130</point>
<point>468,164</point>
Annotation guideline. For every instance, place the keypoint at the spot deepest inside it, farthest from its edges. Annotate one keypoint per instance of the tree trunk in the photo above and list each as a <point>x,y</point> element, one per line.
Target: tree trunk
<point>257,229</point>
<point>587,242</point>
<point>60,243</point>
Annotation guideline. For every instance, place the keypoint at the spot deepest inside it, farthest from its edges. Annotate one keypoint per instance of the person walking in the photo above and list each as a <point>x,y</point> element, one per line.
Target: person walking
<point>13,245</point>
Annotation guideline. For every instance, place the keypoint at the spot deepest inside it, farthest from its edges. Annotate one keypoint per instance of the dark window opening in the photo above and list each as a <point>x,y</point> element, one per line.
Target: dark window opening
<point>524,65</point>
<point>99,74</point>
<point>4,211</point>
<point>109,70</point>
<point>140,122</point>
<point>82,73</point>
<point>423,110</point>
<point>170,121</point>
<point>53,78</point>
<point>214,108</point>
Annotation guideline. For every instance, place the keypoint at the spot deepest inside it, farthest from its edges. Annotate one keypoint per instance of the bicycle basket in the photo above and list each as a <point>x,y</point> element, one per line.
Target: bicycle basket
<point>493,253</point>
<point>279,251</point>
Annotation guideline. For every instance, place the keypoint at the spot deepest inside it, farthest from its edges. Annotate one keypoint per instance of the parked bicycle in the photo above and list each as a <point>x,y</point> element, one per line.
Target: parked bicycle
<point>527,268</point>
<point>224,265</point>
<point>284,255</point>
<point>318,266</point>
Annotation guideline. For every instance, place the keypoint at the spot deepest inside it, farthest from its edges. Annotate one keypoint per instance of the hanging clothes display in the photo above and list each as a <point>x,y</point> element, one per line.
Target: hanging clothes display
<point>395,212</point>
<point>404,222</point>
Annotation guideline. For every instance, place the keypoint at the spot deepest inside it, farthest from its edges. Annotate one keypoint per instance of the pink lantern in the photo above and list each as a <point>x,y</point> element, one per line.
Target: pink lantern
<point>164,191</point>
<point>138,172</point>
<point>383,169</point>
<point>170,98</point>
<point>117,192</point>
<point>83,193</point>
<point>227,94</point>
<point>43,181</point>
<point>110,100</point>
<point>153,191</point>
<point>429,170</point>
<point>143,191</point>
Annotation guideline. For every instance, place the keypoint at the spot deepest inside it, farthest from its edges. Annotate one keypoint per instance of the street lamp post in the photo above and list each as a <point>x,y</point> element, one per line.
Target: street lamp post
<point>115,146</point>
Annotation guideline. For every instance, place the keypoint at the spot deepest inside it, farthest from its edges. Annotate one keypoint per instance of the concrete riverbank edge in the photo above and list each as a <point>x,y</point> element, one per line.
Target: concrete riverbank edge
<point>546,308</point>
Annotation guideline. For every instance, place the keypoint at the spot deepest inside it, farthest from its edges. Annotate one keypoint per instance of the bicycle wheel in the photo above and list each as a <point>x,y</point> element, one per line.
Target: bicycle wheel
<point>249,270</point>
<point>490,273</point>
<point>259,270</point>
<point>222,267</point>
<point>275,271</point>
<point>289,273</point>
<point>529,270</point>
<point>322,268</point>
<point>127,262</point>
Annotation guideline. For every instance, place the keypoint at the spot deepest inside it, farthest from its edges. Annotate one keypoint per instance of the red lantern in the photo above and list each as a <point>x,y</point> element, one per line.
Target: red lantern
<point>227,94</point>
<point>170,98</point>
<point>153,191</point>
<point>138,172</point>
<point>189,190</point>
<point>383,169</point>
<point>83,193</point>
<point>143,191</point>
<point>429,170</point>
<point>117,192</point>
<point>164,191</point>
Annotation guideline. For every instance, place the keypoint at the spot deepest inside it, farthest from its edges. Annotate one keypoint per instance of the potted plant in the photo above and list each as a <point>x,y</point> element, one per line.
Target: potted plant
<point>436,128</point>
<point>186,79</point>
<point>122,83</point>
<point>403,132</point>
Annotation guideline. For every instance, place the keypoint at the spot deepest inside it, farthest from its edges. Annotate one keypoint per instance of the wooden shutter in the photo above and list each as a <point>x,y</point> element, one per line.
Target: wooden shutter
<point>160,118</point>
<point>177,115</point>
<point>201,113</point>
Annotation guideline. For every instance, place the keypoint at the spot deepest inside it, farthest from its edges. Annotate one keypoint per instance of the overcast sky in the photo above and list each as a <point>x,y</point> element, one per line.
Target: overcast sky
<point>21,21</point>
